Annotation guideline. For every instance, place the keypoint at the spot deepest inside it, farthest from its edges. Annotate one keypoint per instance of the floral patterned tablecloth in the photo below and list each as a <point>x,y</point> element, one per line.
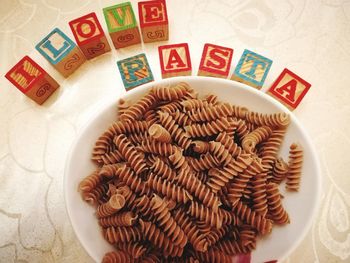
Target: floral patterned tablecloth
<point>310,37</point>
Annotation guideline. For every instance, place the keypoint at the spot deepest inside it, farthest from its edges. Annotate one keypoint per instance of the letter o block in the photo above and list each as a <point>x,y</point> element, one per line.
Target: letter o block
<point>62,53</point>
<point>32,80</point>
<point>289,89</point>
<point>215,61</point>
<point>89,35</point>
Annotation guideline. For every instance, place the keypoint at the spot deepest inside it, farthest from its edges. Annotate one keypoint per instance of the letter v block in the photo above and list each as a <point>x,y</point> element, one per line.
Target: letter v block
<point>135,71</point>
<point>153,21</point>
<point>61,52</point>
<point>215,61</point>
<point>89,35</point>
<point>289,89</point>
<point>32,80</point>
<point>122,25</point>
<point>252,69</point>
<point>175,60</point>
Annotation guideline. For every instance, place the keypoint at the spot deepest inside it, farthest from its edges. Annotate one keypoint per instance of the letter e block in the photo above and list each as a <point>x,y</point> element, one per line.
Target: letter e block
<point>175,60</point>
<point>153,21</point>
<point>122,25</point>
<point>61,52</point>
<point>215,61</point>
<point>135,71</point>
<point>289,89</point>
<point>252,69</point>
<point>89,35</point>
<point>32,80</point>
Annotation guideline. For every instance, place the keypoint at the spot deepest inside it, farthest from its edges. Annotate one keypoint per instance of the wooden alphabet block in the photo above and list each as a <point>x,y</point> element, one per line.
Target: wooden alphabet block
<point>252,69</point>
<point>153,21</point>
<point>89,35</point>
<point>61,52</point>
<point>175,60</point>
<point>289,89</point>
<point>122,25</point>
<point>32,80</point>
<point>135,71</point>
<point>215,61</point>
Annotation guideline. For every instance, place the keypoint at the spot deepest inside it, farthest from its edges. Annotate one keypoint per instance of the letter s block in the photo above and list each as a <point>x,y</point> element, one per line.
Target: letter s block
<point>289,89</point>
<point>61,52</point>
<point>153,21</point>
<point>122,25</point>
<point>32,80</point>
<point>135,71</point>
<point>89,35</point>
<point>215,61</point>
<point>252,69</point>
<point>175,60</point>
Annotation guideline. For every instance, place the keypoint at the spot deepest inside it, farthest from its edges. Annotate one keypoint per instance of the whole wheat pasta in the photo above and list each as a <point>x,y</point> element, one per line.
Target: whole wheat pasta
<point>185,179</point>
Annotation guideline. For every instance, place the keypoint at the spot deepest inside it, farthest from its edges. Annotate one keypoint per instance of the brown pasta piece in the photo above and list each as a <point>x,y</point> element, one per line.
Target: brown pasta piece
<point>295,165</point>
<point>278,214</point>
<point>211,113</point>
<point>137,110</point>
<point>241,130</point>
<point>120,219</point>
<point>231,247</point>
<point>159,133</point>
<point>192,104</point>
<point>172,92</point>
<point>206,214</point>
<point>117,257</point>
<point>110,158</point>
<point>133,157</point>
<point>135,250</point>
<point>200,146</point>
<point>90,182</point>
<point>137,138</point>
<point>259,182</point>
<point>279,171</point>
<point>171,107</point>
<point>123,234</point>
<point>247,235</point>
<point>163,170</point>
<point>205,162</point>
<point>212,99</point>
<point>122,106</point>
<point>151,117</point>
<point>142,206</point>
<point>255,137</point>
<point>219,151</point>
<point>226,140</point>
<point>273,120</point>
<point>216,234</point>
<point>213,256</point>
<point>207,129</point>
<point>114,204</point>
<point>181,118</point>
<point>159,148</point>
<point>98,195</point>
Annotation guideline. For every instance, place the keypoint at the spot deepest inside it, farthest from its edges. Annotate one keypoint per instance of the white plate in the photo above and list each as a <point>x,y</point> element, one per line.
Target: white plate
<point>301,206</point>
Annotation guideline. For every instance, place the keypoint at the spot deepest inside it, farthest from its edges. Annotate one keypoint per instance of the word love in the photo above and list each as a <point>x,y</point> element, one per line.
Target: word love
<point>66,56</point>
<point>251,69</point>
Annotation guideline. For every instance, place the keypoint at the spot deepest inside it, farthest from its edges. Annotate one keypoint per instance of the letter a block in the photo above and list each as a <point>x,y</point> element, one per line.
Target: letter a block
<point>289,89</point>
<point>216,61</point>
<point>153,21</point>
<point>61,52</point>
<point>135,71</point>
<point>252,69</point>
<point>175,60</point>
<point>32,80</point>
<point>89,35</point>
<point>122,25</point>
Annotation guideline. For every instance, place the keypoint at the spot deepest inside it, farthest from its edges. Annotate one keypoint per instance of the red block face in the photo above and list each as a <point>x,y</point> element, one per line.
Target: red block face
<point>25,74</point>
<point>289,88</point>
<point>215,61</point>
<point>86,28</point>
<point>152,13</point>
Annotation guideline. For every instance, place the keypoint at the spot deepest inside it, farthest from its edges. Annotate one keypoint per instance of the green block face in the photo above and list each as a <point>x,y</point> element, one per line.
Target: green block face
<point>119,17</point>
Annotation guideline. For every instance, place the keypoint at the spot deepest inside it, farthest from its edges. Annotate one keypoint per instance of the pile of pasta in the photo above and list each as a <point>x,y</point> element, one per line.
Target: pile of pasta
<point>184,179</point>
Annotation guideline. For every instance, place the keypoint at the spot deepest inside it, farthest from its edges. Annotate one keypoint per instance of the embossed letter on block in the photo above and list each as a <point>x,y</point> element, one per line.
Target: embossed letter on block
<point>252,69</point>
<point>122,25</point>
<point>175,60</point>
<point>89,35</point>
<point>289,89</point>
<point>153,21</point>
<point>61,52</point>
<point>32,80</point>
<point>135,71</point>
<point>215,61</point>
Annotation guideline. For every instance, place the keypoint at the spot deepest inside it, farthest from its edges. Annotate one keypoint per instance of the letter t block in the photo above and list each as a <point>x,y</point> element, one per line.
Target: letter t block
<point>122,25</point>
<point>153,21</point>
<point>252,69</point>
<point>89,35</point>
<point>289,89</point>
<point>32,80</point>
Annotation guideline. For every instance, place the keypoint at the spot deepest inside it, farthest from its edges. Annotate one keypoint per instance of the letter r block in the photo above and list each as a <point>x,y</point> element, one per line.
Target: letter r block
<point>89,35</point>
<point>122,25</point>
<point>61,52</point>
<point>289,89</point>
<point>32,80</point>
<point>215,61</point>
<point>175,60</point>
<point>153,21</point>
<point>252,69</point>
<point>135,71</point>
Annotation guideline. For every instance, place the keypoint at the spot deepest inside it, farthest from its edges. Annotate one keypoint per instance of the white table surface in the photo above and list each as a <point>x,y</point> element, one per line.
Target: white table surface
<point>310,37</point>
